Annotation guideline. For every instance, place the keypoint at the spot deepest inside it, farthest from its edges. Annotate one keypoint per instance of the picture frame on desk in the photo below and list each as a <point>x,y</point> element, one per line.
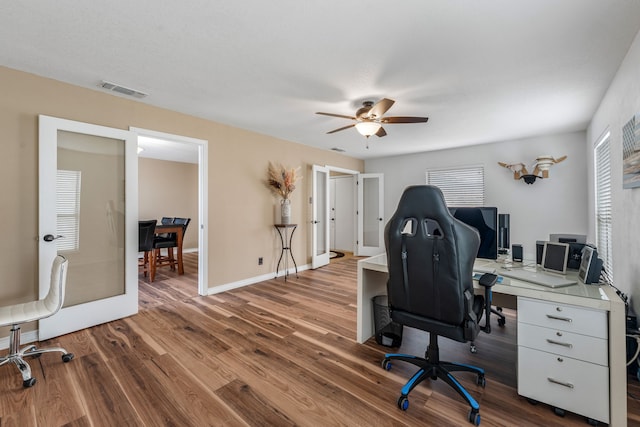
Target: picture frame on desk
<point>590,266</point>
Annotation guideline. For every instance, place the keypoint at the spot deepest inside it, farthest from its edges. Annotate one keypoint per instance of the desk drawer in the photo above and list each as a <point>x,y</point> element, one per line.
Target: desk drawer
<point>562,343</point>
<point>579,320</point>
<point>564,382</point>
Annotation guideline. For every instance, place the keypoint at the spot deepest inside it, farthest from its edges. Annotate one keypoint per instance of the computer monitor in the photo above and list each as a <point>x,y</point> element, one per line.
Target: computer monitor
<point>554,257</point>
<point>576,244</point>
<point>485,220</point>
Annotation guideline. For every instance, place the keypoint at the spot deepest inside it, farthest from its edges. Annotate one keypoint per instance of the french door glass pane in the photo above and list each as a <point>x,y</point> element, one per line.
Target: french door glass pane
<point>90,208</point>
<point>371,214</point>
<point>321,212</point>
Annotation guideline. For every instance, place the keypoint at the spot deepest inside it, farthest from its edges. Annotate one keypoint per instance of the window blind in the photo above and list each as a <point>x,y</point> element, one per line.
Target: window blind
<point>68,210</point>
<point>602,159</point>
<point>460,186</point>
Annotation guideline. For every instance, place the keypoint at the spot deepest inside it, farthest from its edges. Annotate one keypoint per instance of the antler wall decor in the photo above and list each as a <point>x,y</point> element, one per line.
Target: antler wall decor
<point>540,168</point>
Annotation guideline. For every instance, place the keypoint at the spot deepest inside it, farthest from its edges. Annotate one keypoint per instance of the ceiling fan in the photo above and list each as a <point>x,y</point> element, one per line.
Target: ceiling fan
<point>369,118</point>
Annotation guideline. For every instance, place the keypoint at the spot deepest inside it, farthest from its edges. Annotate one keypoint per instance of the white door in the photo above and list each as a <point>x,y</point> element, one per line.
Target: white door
<point>320,217</point>
<point>88,198</point>
<point>370,214</point>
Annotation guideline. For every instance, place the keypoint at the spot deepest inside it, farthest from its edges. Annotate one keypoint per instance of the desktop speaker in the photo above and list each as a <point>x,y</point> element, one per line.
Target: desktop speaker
<point>503,233</point>
<point>539,251</point>
<point>516,253</point>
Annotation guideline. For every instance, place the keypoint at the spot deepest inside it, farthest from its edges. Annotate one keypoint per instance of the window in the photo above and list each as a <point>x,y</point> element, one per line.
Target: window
<point>460,186</point>
<point>68,210</point>
<point>602,160</point>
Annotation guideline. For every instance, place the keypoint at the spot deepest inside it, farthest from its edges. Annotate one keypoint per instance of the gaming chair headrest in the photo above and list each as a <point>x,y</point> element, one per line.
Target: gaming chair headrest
<point>423,201</point>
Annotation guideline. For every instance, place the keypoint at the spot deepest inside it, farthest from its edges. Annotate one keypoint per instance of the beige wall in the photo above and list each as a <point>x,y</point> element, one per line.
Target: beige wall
<point>169,189</point>
<point>241,209</point>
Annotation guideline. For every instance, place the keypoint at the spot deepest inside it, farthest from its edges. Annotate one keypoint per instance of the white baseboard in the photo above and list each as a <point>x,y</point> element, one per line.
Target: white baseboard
<point>252,280</point>
<point>25,338</point>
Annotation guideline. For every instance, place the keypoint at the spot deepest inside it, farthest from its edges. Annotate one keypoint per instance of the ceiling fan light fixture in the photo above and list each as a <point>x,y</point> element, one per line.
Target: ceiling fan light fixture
<point>368,128</point>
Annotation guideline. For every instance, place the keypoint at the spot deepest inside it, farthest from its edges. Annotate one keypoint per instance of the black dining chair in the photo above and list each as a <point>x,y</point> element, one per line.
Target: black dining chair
<point>146,235</point>
<point>169,242</point>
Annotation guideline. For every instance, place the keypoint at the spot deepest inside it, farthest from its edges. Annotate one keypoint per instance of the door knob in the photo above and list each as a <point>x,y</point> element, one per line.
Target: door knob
<point>51,237</point>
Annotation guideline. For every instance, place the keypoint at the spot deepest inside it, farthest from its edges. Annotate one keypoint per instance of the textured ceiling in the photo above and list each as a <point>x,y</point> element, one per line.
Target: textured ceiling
<point>481,70</point>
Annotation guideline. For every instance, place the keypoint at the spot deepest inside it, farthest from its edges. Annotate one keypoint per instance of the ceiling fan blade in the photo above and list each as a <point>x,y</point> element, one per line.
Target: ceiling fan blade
<point>404,119</point>
<point>337,115</point>
<point>380,107</point>
<point>342,128</point>
<point>381,132</point>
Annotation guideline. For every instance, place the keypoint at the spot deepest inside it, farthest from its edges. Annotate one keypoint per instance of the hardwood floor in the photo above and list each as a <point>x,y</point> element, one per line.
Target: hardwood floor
<point>270,354</point>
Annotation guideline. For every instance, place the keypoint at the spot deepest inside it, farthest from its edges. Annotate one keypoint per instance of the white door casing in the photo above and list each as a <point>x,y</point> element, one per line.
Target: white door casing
<point>203,200</point>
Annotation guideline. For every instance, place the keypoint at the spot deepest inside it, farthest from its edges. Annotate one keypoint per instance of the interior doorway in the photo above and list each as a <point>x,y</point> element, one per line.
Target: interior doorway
<point>369,214</point>
<point>189,156</point>
<point>342,208</point>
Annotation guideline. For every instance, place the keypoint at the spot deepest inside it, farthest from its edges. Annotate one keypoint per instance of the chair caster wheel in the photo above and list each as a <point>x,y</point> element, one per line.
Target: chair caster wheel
<point>559,412</point>
<point>474,417</point>
<point>386,364</point>
<point>28,383</point>
<point>481,381</point>
<point>67,357</point>
<point>501,322</point>
<point>403,403</point>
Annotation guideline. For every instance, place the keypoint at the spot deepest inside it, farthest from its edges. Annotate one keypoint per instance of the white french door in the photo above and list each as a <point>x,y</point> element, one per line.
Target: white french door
<point>320,217</point>
<point>370,214</point>
<point>88,209</point>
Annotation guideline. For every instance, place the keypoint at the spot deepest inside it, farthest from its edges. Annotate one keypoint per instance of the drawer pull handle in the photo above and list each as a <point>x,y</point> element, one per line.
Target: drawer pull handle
<point>568,385</point>
<point>564,344</point>
<point>564,319</point>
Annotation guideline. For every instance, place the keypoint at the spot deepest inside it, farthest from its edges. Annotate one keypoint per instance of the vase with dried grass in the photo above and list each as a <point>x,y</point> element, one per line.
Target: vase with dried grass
<point>281,181</point>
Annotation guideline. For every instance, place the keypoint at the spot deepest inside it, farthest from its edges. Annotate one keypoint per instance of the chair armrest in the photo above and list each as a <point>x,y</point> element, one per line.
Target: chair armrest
<point>488,280</point>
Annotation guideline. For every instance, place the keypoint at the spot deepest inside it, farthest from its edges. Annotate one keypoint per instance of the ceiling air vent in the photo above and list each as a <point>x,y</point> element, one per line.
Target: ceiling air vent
<point>339,150</point>
<point>121,89</point>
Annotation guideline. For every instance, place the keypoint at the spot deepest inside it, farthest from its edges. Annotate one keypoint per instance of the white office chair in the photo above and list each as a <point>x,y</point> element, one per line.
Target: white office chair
<point>15,315</point>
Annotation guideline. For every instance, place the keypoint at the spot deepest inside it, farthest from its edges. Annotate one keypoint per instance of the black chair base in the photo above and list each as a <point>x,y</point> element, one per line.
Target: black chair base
<point>431,367</point>
<point>498,312</point>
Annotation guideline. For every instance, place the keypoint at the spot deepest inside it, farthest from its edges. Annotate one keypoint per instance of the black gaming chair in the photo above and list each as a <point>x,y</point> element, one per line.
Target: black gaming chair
<point>430,255</point>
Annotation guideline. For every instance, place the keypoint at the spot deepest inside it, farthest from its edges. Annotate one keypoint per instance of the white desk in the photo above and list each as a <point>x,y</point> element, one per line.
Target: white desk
<point>372,281</point>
